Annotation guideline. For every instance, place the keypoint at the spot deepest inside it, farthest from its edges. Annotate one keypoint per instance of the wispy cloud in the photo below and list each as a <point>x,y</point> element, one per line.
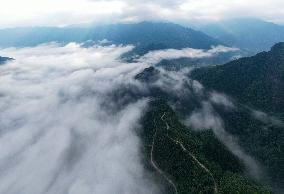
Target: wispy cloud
<point>206,118</point>
<point>154,57</point>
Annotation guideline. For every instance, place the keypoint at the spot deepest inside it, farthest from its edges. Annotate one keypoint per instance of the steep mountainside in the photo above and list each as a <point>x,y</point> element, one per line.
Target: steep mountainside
<point>254,83</point>
<point>190,162</point>
<point>257,81</point>
<point>251,134</point>
<point>250,34</point>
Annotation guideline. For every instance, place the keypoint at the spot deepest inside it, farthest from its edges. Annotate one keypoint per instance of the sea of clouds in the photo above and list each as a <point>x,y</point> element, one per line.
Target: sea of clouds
<point>61,129</point>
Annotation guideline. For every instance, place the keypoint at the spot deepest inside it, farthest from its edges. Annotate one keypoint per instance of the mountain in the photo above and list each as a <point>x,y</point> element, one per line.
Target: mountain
<point>247,33</point>
<point>257,81</point>
<point>257,85</point>
<point>197,161</point>
<point>189,161</point>
<point>153,36</point>
<point>145,36</point>
<point>4,60</point>
<point>32,36</point>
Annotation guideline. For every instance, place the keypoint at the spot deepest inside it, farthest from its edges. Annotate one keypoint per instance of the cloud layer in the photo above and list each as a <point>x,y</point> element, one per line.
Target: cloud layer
<point>57,133</point>
<point>66,12</point>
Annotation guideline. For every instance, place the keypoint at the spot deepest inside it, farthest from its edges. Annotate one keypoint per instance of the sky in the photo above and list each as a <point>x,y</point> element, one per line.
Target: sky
<point>67,12</point>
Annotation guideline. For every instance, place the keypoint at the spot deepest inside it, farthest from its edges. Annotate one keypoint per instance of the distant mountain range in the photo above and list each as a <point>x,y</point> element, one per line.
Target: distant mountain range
<point>250,35</point>
<point>145,36</point>
<point>247,33</point>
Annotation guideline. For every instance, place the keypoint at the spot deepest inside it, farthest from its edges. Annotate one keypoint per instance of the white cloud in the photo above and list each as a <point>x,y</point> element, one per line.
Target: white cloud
<point>54,12</point>
<point>222,9</point>
<point>60,132</point>
<point>154,57</point>
<point>221,99</point>
<point>265,118</point>
<point>65,12</point>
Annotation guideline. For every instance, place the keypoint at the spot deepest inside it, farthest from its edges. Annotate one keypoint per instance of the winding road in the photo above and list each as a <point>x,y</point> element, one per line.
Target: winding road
<point>171,182</point>
<point>156,167</point>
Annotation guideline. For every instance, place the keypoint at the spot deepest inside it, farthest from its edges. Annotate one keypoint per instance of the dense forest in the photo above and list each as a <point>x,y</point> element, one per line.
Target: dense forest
<point>257,85</point>
<point>188,161</point>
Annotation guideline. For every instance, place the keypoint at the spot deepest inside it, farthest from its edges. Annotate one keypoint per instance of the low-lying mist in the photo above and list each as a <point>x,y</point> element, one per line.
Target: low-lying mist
<point>57,135</point>
<point>61,129</point>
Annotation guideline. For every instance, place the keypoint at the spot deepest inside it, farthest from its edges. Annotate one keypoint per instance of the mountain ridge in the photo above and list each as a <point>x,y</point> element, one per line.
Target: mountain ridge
<point>143,34</point>
<point>257,81</point>
<point>257,84</point>
<point>246,33</point>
